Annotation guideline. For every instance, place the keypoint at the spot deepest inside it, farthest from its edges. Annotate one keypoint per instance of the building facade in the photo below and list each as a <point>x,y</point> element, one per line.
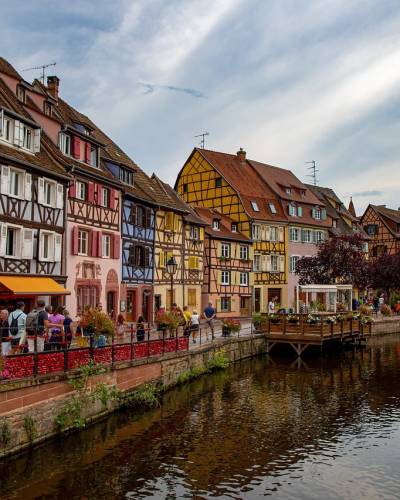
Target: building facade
<point>382,225</point>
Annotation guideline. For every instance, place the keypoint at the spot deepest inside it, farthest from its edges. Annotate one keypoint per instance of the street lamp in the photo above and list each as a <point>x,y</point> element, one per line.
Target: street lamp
<point>172,266</point>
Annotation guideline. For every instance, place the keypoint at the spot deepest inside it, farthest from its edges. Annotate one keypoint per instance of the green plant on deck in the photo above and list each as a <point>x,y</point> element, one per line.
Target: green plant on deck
<point>30,428</point>
<point>5,434</point>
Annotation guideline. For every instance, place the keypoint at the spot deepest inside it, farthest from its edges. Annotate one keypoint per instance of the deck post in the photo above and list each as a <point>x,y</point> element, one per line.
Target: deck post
<point>321,327</point>
<point>284,324</point>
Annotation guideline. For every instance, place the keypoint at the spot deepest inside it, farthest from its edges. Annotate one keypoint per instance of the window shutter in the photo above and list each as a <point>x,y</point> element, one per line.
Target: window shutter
<point>57,247</point>
<point>60,196</point>
<point>91,192</point>
<point>201,234</point>
<point>76,147</point>
<point>72,190</point>
<point>28,187</point>
<point>116,245</point>
<point>74,240</point>
<point>94,245</point>
<point>303,235</point>
<point>313,213</point>
<point>176,219</point>
<point>36,140</point>
<point>5,179</point>
<point>3,239</point>
<point>300,211</point>
<point>99,244</point>
<point>133,214</point>
<point>314,236</point>
<point>323,213</point>
<point>251,278</point>
<point>218,304</point>
<point>97,194</point>
<point>161,259</point>
<point>268,262</point>
<point>27,245</point>
<point>40,190</point>
<point>219,277</point>
<point>87,152</point>
<point>40,246</point>
<point>146,256</point>
<point>17,133</point>
<point>147,218</point>
<point>281,234</point>
<point>281,263</point>
<point>113,194</point>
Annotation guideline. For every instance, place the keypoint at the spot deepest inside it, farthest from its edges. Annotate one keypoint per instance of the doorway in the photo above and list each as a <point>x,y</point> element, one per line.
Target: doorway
<point>146,305</point>
<point>170,298</point>
<point>257,300</point>
<point>244,306</point>
<point>275,292</point>
<point>111,304</point>
<point>130,305</point>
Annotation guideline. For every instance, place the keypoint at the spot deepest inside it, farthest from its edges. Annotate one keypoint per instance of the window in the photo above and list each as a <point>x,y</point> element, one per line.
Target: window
<point>185,188</point>
<point>274,263</point>
<point>27,135</point>
<point>225,277</point>
<point>65,144</point>
<point>13,242</point>
<point>292,210</point>
<point>303,193</point>
<point>105,197</point>
<point>244,279</point>
<point>49,193</point>
<point>47,108</point>
<point>272,208</point>
<point>21,93</point>
<point>257,262</point>
<point>319,236</point>
<point>274,234</point>
<point>194,233</point>
<point>87,296</point>
<point>299,211</point>
<point>16,183</point>
<point>126,176</point>
<point>225,304</point>
<point>83,240</point>
<point>292,263</point>
<point>8,130</point>
<point>306,235</point>
<point>371,229</point>
<point>288,190</point>
<point>244,252</point>
<point>215,224</point>
<point>93,156</point>
<point>139,256</point>
<point>106,246</point>
<point>294,234</point>
<point>234,227</point>
<point>50,245</point>
<point>225,250</point>
<point>193,262</point>
<point>218,182</point>
<point>317,213</point>
<point>192,297</point>
<point>81,190</point>
<point>255,206</point>
<point>365,247</point>
<point>256,232</point>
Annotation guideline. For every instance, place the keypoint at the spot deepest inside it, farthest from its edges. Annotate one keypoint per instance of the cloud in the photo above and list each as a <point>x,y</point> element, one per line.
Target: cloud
<point>149,88</point>
<point>368,193</point>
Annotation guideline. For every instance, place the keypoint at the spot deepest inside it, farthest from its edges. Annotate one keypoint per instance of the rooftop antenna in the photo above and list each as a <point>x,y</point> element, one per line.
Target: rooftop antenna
<point>314,171</point>
<point>43,67</point>
<point>203,136</point>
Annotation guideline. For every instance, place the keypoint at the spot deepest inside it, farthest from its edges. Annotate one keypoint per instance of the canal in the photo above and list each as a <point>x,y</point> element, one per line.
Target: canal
<point>329,428</point>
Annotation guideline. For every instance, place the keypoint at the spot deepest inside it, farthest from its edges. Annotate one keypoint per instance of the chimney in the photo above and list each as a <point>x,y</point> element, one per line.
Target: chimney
<point>241,154</point>
<point>53,83</point>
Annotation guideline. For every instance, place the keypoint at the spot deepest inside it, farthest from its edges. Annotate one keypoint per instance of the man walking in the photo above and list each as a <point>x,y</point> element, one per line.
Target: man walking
<point>209,314</point>
<point>16,322</point>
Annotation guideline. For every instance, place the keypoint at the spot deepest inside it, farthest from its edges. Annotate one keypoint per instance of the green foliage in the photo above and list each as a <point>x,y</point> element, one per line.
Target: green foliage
<point>5,434</point>
<point>191,374</point>
<point>258,320</point>
<point>83,374</point>
<point>394,298</point>
<point>147,396</point>
<point>30,428</point>
<point>104,393</point>
<point>219,361</point>
<point>97,322</point>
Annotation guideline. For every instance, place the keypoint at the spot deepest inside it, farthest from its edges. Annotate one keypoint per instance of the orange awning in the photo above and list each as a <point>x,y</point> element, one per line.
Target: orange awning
<point>29,285</point>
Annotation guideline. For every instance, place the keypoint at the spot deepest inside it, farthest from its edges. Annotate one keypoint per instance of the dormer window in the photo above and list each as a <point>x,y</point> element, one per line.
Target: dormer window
<point>272,208</point>
<point>292,210</point>
<point>317,213</point>
<point>234,227</point>
<point>303,193</point>
<point>255,206</point>
<point>126,176</point>
<point>27,138</point>
<point>288,190</point>
<point>65,144</point>
<point>7,132</point>
<point>215,224</point>
<point>47,108</point>
<point>21,95</point>
<point>218,182</point>
<point>93,156</point>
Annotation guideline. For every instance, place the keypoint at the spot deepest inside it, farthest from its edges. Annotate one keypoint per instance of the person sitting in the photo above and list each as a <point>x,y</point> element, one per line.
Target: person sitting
<point>140,330</point>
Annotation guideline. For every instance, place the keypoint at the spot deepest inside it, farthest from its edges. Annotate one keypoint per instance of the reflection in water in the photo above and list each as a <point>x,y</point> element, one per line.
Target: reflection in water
<point>328,429</point>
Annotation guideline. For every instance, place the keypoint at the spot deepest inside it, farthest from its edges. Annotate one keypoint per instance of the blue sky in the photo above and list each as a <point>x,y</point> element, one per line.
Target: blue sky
<point>288,80</point>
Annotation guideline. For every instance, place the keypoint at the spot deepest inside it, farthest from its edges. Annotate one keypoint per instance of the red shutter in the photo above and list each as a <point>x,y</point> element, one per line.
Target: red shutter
<point>91,192</point>
<point>94,244</point>
<point>87,152</point>
<point>99,244</point>
<point>113,194</point>
<point>97,194</point>
<point>76,147</point>
<point>72,190</point>
<point>74,248</point>
<point>116,246</point>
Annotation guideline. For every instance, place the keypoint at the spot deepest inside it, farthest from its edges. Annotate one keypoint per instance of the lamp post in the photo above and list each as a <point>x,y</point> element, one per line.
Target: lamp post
<point>172,267</point>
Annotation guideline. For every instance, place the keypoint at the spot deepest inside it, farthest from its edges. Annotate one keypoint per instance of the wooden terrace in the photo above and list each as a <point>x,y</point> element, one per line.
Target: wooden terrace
<point>301,331</point>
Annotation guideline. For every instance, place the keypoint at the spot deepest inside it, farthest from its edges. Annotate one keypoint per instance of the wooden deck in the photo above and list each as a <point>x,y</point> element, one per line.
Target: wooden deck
<point>297,331</point>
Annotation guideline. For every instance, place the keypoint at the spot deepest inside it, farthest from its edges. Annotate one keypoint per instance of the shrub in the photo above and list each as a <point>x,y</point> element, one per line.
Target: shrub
<point>232,325</point>
<point>394,299</point>
<point>30,428</point>
<point>385,310</point>
<point>258,320</point>
<point>97,322</point>
<point>364,310</point>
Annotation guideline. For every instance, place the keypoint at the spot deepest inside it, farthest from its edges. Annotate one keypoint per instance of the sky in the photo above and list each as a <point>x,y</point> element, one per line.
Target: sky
<point>289,81</point>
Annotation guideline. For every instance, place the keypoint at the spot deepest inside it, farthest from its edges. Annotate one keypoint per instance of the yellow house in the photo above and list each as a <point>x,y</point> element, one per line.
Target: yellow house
<point>179,233</point>
<point>231,185</point>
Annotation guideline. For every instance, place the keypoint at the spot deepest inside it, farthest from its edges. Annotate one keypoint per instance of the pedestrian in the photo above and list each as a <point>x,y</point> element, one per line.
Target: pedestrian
<point>381,300</point>
<point>195,325</point>
<point>57,328</point>
<point>271,306</point>
<point>210,315</point>
<point>67,327</point>
<point>187,316</point>
<point>140,330</point>
<point>376,304</point>
<point>17,322</point>
<point>5,332</point>
<point>99,307</point>
<point>121,326</point>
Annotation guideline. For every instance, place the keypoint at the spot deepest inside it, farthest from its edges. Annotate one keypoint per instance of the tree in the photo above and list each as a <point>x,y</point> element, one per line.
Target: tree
<point>340,259</point>
<point>385,272</point>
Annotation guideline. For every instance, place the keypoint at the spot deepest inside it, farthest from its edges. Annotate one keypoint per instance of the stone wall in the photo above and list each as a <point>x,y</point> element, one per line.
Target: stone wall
<point>387,325</point>
<point>28,408</point>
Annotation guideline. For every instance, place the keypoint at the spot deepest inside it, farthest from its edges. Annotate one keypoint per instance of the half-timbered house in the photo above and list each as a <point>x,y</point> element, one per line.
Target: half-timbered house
<point>179,233</point>
<point>32,201</point>
<point>231,185</point>
<point>94,198</point>
<point>228,266</point>
<point>382,225</point>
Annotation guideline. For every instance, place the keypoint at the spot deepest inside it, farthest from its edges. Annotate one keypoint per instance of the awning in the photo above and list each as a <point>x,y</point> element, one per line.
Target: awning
<point>29,285</point>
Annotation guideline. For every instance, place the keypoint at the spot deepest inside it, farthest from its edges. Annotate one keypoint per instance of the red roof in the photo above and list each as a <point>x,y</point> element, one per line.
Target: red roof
<point>225,225</point>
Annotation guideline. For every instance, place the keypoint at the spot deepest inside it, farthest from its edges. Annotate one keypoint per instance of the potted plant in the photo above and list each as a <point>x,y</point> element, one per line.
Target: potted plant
<point>293,320</point>
<point>173,320</point>
<point>258,320</point>
<point>98,325</point>
<point>274,318</point>
<point>364,310</point>
<point>230,326</point>
<point>330,320</point>
<point>311,319</point>
<point>161,321</point>
<point>385,310</point>
<point>340,307</point>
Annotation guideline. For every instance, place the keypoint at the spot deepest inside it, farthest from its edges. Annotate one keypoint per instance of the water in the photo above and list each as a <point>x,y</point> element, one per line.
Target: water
<point>329,429</point>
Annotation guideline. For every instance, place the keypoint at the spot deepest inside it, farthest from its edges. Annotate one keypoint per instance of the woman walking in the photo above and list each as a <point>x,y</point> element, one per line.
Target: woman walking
<point>195,325</point>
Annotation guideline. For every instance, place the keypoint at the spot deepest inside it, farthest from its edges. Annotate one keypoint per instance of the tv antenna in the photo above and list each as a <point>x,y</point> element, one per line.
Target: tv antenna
<point>314,171</point>
<point>202,141</point>
<point>43,67</point>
